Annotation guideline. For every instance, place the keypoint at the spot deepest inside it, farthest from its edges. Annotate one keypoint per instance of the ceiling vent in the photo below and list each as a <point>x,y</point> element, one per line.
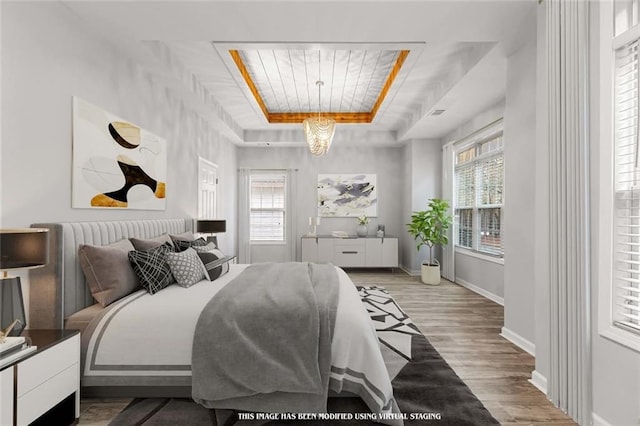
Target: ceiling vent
<point>437,112</point>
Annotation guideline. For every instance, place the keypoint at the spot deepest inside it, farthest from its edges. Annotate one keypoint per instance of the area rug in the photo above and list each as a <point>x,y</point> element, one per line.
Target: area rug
<point>427,390</point>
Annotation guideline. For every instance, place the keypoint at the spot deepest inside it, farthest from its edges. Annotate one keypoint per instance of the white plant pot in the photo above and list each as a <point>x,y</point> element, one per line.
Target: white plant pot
<point>431,274</point>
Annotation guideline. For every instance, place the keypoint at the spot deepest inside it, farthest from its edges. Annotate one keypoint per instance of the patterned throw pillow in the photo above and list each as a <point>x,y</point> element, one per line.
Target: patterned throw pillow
<point>151,267</point>
<point>214,261</point>
<point>182,245</point>
<point>186,267</point>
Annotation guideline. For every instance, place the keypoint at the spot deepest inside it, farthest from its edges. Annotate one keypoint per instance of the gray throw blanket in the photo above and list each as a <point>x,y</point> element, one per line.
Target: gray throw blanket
<point>263,343</point>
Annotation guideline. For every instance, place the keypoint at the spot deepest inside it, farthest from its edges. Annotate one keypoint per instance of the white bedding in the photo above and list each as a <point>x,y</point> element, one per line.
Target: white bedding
<point>147,340</point>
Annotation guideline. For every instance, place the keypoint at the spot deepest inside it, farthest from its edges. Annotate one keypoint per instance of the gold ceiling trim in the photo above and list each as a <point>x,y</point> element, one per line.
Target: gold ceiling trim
<point>299,117</point>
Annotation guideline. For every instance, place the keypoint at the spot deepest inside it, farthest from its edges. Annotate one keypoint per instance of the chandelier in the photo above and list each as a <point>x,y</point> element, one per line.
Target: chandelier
<point>319,131</point>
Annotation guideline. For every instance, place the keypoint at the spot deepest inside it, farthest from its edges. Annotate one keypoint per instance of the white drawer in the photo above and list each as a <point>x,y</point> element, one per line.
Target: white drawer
<point>47,364</point>
<point>39,400</point>
<point>349,256</point>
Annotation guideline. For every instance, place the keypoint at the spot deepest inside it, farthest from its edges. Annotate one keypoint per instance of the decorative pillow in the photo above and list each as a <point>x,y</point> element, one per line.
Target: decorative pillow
<point>154,242</point>
<point>206,247</point>
<point>108,271</point>
<point>182,245</point>
<point>186,267</point>
<point>152,268</point>
<point>215,262</point>
<point>185,236</point>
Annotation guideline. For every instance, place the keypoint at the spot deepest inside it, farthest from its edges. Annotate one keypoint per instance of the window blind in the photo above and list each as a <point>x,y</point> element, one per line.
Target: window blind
<point>479,190</point>
<point>626,280</point>
<point>490,199</point>
<point>267,205</point>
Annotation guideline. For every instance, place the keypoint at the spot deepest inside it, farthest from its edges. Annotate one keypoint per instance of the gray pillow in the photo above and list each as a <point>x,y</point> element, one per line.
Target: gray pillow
<point>108,271</point>
<point>150,243</point>
<point>186,267</point>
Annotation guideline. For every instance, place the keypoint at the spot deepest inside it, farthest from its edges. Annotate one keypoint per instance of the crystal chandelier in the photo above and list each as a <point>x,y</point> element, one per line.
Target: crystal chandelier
<point>319,131</point>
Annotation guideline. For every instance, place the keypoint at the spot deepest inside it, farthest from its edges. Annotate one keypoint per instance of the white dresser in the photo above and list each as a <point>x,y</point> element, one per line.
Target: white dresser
<point>365,252</point>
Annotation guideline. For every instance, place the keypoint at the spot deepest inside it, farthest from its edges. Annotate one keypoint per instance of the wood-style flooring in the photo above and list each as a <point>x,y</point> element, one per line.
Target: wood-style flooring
<point>465,328</point>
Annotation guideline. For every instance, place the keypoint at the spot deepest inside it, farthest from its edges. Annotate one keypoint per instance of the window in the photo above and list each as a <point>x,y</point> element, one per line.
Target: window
<point>267,204</point>
<point>619,175</point>
<point>626,221</point>
<point>479,189</point>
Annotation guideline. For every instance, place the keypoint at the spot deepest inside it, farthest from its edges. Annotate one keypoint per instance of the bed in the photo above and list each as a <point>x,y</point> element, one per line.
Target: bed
<point>141,344</point>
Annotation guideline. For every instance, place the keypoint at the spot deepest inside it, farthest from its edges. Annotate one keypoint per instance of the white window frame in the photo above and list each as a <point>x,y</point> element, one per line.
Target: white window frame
<point>606,189</point>
<point>487,134</point>
<point>279,173</point>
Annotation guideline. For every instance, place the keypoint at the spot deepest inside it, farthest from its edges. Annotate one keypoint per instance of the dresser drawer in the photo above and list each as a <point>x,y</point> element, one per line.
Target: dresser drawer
<point>46,364</point>
<point>349,253</point>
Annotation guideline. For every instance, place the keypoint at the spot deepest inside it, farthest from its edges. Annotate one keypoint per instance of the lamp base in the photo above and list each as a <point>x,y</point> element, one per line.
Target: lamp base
<point>213,239</point>
<point>12,305</point>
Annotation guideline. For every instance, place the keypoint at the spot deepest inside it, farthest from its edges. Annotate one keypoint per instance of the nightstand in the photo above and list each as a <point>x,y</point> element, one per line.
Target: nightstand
<point>44,386</point>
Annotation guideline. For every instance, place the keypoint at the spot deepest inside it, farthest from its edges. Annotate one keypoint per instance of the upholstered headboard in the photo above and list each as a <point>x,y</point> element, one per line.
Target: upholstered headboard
<point>58,289</point>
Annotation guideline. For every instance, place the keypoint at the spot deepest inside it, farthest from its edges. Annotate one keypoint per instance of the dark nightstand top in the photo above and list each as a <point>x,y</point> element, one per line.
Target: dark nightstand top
<point>43,339</point>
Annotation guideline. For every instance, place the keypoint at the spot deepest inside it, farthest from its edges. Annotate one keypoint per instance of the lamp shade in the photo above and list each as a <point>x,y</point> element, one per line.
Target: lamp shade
<point>24,248</point>
<point>212,226</point>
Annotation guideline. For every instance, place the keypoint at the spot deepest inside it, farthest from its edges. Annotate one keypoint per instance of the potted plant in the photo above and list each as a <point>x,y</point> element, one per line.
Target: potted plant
<point>429,227</point>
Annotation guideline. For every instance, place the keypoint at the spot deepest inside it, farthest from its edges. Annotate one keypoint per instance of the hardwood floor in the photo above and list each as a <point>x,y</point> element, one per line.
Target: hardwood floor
<point>465,328</point>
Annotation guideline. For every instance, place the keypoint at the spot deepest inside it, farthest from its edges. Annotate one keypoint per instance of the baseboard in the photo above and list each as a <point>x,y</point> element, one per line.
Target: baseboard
<point>519,341</point>
<point>539,381</point>
<point>411,272</point>
<point>481,291</point>
<point>596,420</point>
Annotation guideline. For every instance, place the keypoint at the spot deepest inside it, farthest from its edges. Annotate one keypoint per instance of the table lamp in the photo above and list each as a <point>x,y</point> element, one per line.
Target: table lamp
<point>212,227</point>
<point>19,248</point>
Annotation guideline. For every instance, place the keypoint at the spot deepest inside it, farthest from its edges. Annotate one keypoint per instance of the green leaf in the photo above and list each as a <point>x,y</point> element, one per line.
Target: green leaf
<point>429,227</point>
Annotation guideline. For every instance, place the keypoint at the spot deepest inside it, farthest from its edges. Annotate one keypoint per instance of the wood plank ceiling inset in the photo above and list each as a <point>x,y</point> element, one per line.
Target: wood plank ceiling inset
<point>283,82</point>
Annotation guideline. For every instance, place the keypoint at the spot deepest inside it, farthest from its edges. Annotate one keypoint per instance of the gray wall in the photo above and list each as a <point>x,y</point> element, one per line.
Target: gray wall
<point>48,56</point>
<point>386,163</point>
<point>520,185</point>
<point>483,276</point>
<point>541,209</point>
<point>423,158</point>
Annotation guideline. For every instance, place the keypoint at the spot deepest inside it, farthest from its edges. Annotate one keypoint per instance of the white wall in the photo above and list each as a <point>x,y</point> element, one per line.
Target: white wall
<point>48,56</point>
<point>386,163</point>
<point>520,186</point>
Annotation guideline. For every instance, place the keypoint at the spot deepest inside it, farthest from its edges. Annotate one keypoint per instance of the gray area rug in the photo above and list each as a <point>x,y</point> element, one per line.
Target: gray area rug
<point>426,388</point>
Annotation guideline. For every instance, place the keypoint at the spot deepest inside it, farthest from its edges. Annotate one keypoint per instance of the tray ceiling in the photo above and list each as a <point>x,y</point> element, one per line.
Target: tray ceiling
<point>284,81</point>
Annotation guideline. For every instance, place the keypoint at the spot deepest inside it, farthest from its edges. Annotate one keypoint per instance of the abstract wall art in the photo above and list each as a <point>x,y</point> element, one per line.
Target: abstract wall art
<point>347,195</point>
<point>116,164</point>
